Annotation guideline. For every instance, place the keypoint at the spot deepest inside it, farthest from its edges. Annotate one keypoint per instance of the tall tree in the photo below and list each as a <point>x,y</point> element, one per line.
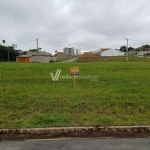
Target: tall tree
<point>131,49</point>
<point>123,49</point>
<point>4,50</point>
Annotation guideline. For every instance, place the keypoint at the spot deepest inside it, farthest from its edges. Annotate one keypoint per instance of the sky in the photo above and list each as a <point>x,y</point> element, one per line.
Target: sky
<point>87,25</point>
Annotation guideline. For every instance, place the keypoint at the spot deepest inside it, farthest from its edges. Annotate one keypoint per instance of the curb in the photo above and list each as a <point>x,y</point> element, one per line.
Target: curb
<point>84,132</point>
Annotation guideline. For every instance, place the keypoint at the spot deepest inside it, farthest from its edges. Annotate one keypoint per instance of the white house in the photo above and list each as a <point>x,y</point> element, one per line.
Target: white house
<point>111,52</point>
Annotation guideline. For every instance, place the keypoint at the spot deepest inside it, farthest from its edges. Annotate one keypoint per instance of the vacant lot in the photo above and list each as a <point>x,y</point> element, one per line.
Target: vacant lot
<point>29,97</point>
<point>131,58</point>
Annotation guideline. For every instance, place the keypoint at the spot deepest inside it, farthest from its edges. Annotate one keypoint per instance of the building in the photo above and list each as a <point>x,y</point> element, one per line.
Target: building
<point>42,57</point>
<point>142,50</point>
<point>77,52</point>
<point>24,58</point>
<point>111,52</point>
<point>34,56</point>
<point>69,51</point>
<point>61,55</point>
<point>90,54</point>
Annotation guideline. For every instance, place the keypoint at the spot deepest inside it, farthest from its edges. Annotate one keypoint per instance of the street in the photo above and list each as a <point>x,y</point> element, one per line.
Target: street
<point>70,60</point>
<point>78,144</point>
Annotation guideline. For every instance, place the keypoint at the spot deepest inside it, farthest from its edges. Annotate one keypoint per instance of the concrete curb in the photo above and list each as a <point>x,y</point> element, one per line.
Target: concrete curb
<point>89,132</point>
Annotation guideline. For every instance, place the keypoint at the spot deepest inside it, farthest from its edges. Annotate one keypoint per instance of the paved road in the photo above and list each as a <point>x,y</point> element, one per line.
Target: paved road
<point>70,60</point>
<point>78,144</point>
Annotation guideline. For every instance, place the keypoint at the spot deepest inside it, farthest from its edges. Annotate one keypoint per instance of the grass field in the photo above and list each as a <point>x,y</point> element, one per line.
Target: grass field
<point>131,58</point>
<point>29,97</point>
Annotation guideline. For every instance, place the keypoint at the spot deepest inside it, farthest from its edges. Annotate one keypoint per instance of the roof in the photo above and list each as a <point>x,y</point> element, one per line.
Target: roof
<point>105,49</point>
<point>143,48</point>
<point>60,53</point>
<point>24,56</point>
<point>112,50</point>
<point>42,53</point>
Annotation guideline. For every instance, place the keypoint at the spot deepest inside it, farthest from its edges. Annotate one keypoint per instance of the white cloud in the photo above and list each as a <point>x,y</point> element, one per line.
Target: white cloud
<point>74,21</point>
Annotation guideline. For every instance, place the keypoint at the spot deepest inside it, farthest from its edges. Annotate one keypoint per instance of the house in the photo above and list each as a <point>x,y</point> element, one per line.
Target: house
<point>61,55</point>
<point>42,57</point>
<point>90,54</point>
<point>111,52</point>
<point>142,50</point>
<point>24,58</point>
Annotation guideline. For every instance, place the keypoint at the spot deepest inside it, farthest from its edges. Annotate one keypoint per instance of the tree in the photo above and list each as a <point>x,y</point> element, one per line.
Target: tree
<point>33,50</point>
<point>4,53</point>
<point>146,46</point>
<point>56,51</point>
<point>123,49</point>
<point>24,52</point>
<point>131,49</point>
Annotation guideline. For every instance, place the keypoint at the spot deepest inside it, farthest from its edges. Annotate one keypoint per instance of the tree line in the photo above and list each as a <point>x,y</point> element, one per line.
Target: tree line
<point>124,48</point>
<point>5,50</point>
<point>9,53</point>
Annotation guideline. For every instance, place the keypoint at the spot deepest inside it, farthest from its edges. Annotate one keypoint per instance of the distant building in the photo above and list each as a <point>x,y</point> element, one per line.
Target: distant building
<point>42,57</point>
<point>142,50</point>
<point>77,52</point>
<point>24,58</point>
<point>34,56</point>
<point>103,49</point>
<point>111,52</point>
<point>90,54</point>
<point>63,55</point>
<point>42,53</point>
<point>69,51</point>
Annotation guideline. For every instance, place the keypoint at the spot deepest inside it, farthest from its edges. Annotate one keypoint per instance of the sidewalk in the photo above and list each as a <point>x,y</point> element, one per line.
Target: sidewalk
<point>71,132</point>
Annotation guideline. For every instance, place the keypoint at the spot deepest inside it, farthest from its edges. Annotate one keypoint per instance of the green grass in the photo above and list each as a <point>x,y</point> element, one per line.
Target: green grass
<point>29,97</point>
<point>63,59</point>
<point>132,58</point>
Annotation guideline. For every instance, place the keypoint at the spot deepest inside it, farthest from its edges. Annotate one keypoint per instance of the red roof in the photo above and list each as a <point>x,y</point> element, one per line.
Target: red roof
<point>104,49</point>
<point>60,53</point>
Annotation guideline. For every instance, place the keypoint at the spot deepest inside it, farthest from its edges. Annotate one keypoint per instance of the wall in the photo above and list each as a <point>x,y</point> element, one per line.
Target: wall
<point>143,52</point>
<point>23,59</point>
<point>112,52</point>
<point>53,59</point>
<point>43,59</point>
<point>87,55</point>
<point>61,55</point>
<point>43,53</point>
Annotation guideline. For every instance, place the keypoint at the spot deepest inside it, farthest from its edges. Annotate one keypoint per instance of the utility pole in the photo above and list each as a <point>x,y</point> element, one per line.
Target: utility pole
<point>37,49</point>
<point>142,48</point>
<point>127,49</point>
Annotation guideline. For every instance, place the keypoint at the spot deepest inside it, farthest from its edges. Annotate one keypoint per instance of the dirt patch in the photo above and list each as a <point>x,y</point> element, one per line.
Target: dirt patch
<point>84,132</point>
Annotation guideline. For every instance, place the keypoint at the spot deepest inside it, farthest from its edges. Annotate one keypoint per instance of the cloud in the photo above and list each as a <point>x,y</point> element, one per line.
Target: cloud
<point>68,22</point>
